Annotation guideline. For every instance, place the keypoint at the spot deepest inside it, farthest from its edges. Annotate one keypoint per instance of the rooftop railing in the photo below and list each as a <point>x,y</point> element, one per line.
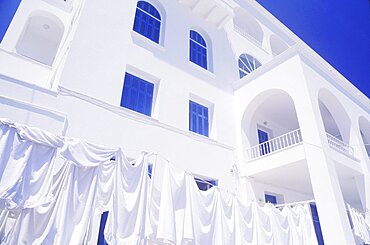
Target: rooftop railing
<point>275,144</point>
<point>339,145</point>
<point>245,34</point>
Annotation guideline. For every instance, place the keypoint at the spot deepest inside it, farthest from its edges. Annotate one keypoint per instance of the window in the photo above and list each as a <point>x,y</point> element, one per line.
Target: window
<point>147,21</point>
<point>263,137</point>
<point>198,50</point>
<point>137,94</point>
<point>247,64</point>
<point>198,118</point>
<point>270,199</point>
<point>204,185</point>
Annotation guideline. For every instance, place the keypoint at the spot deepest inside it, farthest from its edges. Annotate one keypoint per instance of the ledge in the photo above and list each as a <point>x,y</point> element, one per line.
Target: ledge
<point>29,85</point>
<point>202,70</point>
<point>25,58</point>
<point>145,42</point>
<point>138,117</point>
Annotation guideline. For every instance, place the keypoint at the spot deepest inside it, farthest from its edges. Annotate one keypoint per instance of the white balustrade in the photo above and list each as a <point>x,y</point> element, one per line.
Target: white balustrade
<point>245,34</point>
<point>339,145</point>
<point>275,144</point>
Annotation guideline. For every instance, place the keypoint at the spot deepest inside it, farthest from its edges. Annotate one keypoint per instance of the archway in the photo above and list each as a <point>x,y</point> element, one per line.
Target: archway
<point>336,121</point>
<point>277,45</point>
<point>364,126</point>
<point>248,25</point>
<point>270,123</point>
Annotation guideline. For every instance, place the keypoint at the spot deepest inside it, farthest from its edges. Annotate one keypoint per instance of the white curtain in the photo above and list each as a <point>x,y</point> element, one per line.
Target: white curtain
<point>360,228</point>
<point>52,189</point>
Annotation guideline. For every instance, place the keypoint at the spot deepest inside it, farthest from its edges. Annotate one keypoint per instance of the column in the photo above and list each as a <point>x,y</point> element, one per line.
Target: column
<point>325,184</point>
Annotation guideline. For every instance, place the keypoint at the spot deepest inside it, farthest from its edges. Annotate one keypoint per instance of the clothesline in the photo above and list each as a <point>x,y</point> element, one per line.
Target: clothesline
<point>294,203</point>
<point>189,173</point>
<point>66,196</point>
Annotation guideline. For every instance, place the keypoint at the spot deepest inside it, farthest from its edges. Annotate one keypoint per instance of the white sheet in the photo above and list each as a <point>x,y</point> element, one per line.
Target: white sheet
<point>52,190</point>
<point>360,227</point>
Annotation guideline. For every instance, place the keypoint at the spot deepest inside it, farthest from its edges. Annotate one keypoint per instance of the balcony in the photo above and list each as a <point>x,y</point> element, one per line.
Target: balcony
<point>250,38</point>
<point>339,145</point>
<point>216,12</point>
<point>275,144</point>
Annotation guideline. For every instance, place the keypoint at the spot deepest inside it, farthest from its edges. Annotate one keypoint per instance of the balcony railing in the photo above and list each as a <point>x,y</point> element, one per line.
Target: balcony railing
<point>339,145</point>
<point>245,34</point>
<point>275,144</point>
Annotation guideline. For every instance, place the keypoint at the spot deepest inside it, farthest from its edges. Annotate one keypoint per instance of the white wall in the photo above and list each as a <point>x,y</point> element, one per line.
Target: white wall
<point>284,195</point>
<point>11,60</point>
<point>105,47</point>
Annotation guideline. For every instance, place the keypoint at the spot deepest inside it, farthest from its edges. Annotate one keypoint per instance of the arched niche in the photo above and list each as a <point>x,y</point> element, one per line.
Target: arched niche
<point>335,119</point>
<point>248,25</point>
<point>277,45</point>
<point>41,37</point>
<point>364,126</point>
<point>272,110</point>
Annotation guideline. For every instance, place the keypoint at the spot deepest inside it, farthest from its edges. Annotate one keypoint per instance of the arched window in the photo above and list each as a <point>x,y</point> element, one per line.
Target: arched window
<point>147,21</point>
<point>198,49</point>
<point>247,64</point>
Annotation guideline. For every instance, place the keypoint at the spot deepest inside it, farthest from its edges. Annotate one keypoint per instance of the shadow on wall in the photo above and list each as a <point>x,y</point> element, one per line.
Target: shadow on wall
<point>32,115</point>
<point>335,119</point>
<point>364,126</point>
<point>41,37</point>
<point>272,111</point>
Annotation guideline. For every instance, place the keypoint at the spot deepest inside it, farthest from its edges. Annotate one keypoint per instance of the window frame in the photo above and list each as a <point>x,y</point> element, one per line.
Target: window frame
<point>159,20</point>
<point>269,195</point>
<point>252,66</point>
<point>142,80</point>
<point>264,149</point>
<point>196,130</point>
<point>206,46</point>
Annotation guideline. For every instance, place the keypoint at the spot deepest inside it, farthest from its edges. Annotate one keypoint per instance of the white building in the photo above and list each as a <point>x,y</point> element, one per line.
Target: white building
<point>219,87</point>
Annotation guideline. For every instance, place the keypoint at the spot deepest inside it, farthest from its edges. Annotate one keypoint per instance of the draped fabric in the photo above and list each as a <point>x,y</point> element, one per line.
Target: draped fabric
<point>361,228</point>
<point>52,189</point>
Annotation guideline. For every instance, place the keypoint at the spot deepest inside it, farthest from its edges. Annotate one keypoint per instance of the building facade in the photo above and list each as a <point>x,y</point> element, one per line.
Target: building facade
<point>218,87</point>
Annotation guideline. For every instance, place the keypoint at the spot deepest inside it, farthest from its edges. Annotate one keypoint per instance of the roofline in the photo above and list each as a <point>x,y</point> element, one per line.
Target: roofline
<point>331,75</point>
<point>304,49</point>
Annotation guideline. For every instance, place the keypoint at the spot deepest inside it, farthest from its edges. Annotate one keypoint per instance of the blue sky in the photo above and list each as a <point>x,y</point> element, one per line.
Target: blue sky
<point>338,30</point>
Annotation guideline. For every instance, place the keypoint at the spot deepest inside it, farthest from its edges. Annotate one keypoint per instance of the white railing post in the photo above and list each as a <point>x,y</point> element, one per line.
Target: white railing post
<point>339,145</point>
<point>275,144</point>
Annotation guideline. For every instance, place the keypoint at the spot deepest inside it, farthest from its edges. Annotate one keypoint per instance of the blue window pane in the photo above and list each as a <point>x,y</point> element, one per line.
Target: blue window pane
<point>7,11</point>
<point>198,118</point>
<point>137,94</point>
<point>262,138</point>
<point>247,64</point>
<point>103,221</point>
<point>270,199</point>
<point>147,21</point>
<point>198,49</point>
<point>242,74</point>
<point>204,185</point>
<point>147,7</point>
